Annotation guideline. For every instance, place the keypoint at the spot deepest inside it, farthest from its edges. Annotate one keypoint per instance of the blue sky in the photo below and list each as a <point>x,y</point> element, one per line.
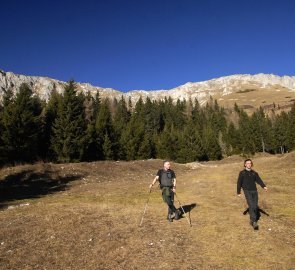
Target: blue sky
<point>147,45</point>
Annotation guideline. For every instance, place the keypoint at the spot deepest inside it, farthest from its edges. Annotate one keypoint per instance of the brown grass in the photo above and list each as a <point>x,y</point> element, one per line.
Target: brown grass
<point>251,99</point>
<point>91,221</point>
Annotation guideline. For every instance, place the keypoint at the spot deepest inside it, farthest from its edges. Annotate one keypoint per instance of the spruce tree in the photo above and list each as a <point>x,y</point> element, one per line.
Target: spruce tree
<point>281,125</point>
<point>190,144</point>
<point>167,144</point>
<point>232,140</point>
<point>21,125</point>
<point>50,115</point>
<point>211,145</point>
<point>68,134</point>
<point>104,126</point>
<point>198,116</point>
<point>132,137</point>
<point>2,149</point>
<point>246,143</point>
<point>7,99</point>
<point>149,116</point>
<point>168,112</point>
<point>122,116</point>
<point>179,114</point>
<point>147,147</point>
<point>291,129</point>
<point>107,148</point>
<point>121,119</point>
<point>92,106</point>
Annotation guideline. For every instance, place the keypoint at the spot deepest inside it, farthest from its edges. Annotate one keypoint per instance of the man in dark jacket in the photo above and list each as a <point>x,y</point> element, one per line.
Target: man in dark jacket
<point>167,179</point>
<point>247,181</point>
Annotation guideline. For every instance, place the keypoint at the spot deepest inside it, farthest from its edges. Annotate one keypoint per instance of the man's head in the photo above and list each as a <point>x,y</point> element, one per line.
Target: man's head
<point>248,163</point>
<point>166,165</point>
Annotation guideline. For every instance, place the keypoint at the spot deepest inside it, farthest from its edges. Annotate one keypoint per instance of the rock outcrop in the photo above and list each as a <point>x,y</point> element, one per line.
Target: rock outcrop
<point>217,88</point>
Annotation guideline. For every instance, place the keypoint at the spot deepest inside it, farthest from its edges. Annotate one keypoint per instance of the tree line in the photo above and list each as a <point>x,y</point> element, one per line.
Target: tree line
<point>74,127</point>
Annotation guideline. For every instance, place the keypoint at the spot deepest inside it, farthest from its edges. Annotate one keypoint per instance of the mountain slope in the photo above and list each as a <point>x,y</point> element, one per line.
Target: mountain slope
<point>248,91</point>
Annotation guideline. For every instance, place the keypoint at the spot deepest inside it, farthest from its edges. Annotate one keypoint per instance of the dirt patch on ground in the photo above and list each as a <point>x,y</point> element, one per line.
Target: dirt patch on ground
<point>87,216</point>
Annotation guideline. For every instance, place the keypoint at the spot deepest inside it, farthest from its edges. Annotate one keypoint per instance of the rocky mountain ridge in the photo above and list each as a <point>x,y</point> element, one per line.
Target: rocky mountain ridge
<point>218,88</point>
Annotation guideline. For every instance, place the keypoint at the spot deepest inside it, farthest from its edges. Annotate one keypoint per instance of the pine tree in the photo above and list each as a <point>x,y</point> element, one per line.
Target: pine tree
<point>21,125</point>
<point>104,126</point>
<point>2,148</point>
<point>50,115</point>
<point>281,123</point>
<point>197,117</point>
<point>122,115</point>
<point>149,116</point>
<point>167,145</point>
<point>215,116</point>
<point>261,131</point>
<point>291,129</point>
<point>168,112</point>
<point>179,114</point>
<point>232,139</point>
<point>68,137</point>
<point>132,137</point>
<point>211,145</point>
<point>190,145</point>
<point>92,106</point>
<point>121,119</point>
<point>107,148</point>
<point>7,99</point>
<point>246,143</point>
<point>147,147</point>
<point>130,105</point>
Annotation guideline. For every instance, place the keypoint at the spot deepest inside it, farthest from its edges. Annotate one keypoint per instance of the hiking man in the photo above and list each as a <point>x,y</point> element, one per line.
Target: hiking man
<point>247,181</point>
<point>167,179</point>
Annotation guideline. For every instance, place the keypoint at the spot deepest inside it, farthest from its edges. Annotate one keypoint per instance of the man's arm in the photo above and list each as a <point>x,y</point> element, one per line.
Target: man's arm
<point>154,181</point>
<point>239,183</point>
<point>173,181</point>
<point>259,181</point>
<point>174,184</point>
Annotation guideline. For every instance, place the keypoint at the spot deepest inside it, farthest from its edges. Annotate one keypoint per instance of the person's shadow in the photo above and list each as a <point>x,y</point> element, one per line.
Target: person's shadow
<point>186,209</point>
<point>258,214</point>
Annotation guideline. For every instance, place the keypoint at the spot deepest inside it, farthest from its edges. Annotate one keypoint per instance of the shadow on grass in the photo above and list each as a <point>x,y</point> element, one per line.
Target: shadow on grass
<point>258,213</point>
<point>29,184</point>
<point>186,209</point>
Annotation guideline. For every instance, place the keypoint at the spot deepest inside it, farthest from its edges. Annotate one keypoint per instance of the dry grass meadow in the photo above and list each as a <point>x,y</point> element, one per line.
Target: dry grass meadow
<point>250,98</point>
<point>87,216</point>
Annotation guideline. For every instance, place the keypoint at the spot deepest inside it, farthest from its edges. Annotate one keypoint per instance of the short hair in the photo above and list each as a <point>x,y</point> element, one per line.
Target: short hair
<point>248,159</point>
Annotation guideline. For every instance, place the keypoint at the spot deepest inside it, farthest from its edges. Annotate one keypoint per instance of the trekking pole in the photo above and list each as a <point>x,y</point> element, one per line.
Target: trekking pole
<point>189,223</point>
<point>145,207</point>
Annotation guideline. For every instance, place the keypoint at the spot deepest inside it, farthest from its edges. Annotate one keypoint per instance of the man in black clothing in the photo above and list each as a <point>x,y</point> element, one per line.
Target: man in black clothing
<point>167,179</point>
<point>247,181</point>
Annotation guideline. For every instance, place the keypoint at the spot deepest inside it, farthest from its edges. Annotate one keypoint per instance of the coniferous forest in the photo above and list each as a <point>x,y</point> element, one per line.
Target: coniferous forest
<point>73,127</point>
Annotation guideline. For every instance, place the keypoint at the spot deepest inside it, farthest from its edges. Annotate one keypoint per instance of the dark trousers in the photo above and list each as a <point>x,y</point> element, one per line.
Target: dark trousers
<point>252,201</point>
<point>170,203</point>
<point>168,197</point>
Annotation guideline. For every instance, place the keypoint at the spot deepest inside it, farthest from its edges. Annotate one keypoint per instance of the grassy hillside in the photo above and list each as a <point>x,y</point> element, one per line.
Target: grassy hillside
<point>87,215</point>
<point>251,98</point>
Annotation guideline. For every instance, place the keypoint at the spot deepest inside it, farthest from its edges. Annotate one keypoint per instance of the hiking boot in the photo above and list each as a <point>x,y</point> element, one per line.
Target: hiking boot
<point>170,218</point>
<point>255,225</point>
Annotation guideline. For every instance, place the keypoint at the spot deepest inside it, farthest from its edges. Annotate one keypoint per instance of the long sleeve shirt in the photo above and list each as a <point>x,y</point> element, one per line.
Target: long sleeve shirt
<point>247,180</point>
